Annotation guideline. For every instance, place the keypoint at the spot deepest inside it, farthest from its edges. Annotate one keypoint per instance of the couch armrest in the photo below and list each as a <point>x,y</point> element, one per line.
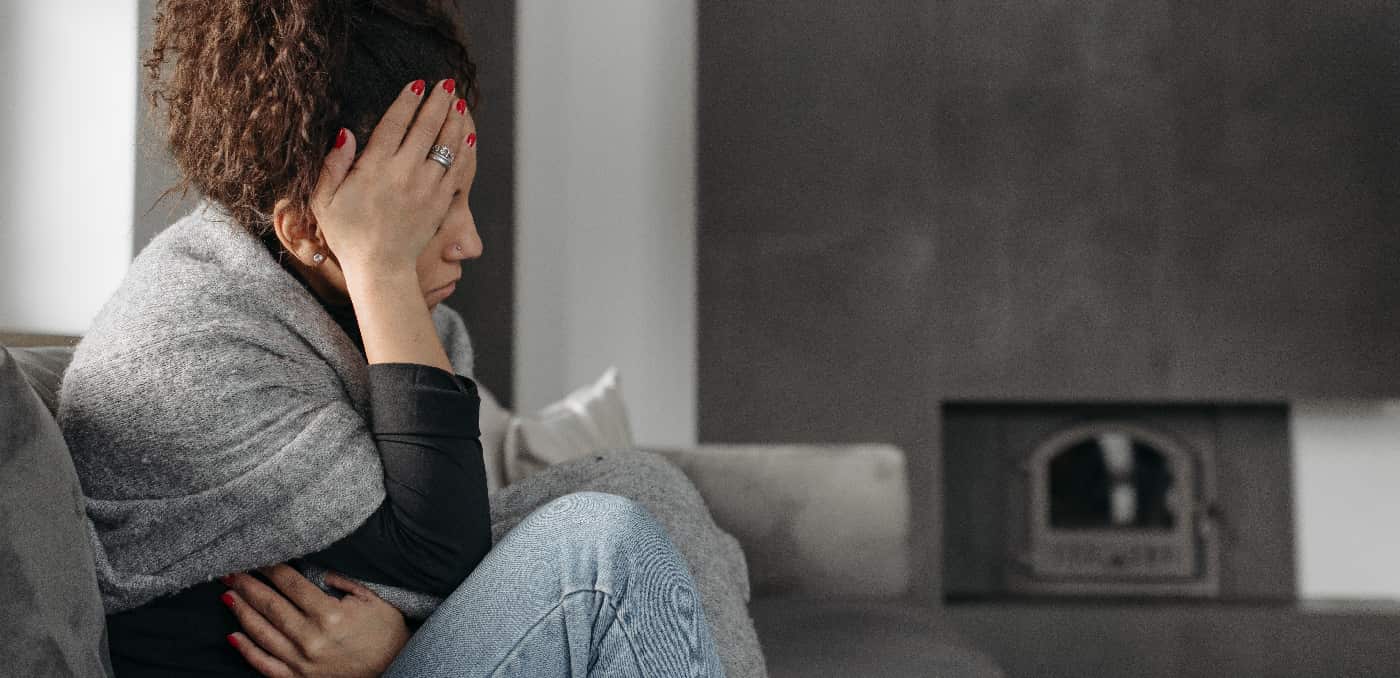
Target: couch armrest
<point>814,520</point>
<point>43,368</point>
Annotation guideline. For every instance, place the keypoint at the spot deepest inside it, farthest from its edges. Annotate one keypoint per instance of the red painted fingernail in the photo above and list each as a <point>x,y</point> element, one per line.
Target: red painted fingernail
<point>471,139</point>
<point>232,639</point>
<point>449,85</point>
<point>417,86</point>
<point>461,105</point>
<point>227,598</point>
<point>340,138</point>
<point>227,580</point>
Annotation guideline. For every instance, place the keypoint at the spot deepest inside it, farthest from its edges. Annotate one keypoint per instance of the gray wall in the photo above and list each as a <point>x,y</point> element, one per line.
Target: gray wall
<point>910,202</point>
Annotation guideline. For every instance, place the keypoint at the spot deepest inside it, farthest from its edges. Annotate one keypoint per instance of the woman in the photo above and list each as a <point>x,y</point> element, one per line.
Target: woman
<point>276,392</point>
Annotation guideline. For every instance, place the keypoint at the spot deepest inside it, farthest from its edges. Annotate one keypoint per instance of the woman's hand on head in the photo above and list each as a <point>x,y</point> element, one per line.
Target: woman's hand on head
<point>297,631</point>
<point>378,212</point>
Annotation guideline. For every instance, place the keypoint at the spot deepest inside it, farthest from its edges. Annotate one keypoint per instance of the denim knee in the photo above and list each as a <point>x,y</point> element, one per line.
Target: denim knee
<point>610,518</point>
<point>604,536</point>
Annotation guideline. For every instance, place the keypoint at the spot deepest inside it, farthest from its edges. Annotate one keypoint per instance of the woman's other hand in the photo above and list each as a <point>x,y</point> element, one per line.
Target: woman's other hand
<point>297,630</point>
<point>379,211</point>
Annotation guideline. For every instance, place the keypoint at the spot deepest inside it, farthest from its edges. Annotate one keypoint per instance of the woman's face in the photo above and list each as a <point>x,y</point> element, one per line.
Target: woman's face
<point>438,266</point>
<point>456,238</point>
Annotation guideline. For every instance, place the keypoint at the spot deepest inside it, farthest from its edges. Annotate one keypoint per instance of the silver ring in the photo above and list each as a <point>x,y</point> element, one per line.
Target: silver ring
<point>442,155</point>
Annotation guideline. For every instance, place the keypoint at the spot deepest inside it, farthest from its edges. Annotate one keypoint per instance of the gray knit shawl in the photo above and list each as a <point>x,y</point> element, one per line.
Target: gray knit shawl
<point>219,418</point>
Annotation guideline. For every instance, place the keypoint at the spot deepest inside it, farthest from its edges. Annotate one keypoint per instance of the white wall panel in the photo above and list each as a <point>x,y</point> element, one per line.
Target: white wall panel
<point>67,127</point>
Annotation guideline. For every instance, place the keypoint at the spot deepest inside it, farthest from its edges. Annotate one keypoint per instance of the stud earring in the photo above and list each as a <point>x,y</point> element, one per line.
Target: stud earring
<point>318,257</point>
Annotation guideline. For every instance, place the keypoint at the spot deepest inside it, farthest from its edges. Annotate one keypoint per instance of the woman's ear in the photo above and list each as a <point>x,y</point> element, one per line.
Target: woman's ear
<point>297,231</point>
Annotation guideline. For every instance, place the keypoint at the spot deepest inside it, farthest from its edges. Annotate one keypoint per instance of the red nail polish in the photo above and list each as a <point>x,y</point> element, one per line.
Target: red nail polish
<point>471,139</point>
<point>227,598</point>
<point>418,86</point>
<point>449,85</point>
<point>339,141</point>
<point>232,639</point>
<point>461,105</point>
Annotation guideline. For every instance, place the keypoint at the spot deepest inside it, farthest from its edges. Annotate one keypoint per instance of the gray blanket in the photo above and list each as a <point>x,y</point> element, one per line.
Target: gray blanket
<point>218,420</point>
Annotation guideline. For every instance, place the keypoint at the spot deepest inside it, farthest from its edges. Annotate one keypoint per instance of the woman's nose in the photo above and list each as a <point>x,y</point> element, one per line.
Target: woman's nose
<point>467,244</point>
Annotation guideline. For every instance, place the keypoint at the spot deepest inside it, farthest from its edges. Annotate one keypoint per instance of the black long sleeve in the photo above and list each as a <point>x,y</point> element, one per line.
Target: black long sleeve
<point>434,525</point>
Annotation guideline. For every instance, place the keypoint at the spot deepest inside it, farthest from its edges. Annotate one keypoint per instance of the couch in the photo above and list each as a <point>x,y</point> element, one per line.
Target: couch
<point>824,530</point>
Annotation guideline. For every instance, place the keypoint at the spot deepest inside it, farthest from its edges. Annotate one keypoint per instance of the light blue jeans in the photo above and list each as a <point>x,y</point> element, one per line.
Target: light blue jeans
<point>588,584</point>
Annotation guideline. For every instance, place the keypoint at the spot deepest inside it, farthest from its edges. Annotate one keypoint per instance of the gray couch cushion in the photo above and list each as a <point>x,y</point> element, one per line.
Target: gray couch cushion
<point>51,617</point>
<point>818,520</point>
<point>43,367</point>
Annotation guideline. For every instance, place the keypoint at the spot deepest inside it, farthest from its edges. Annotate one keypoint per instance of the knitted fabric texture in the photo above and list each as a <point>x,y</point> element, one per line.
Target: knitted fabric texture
<point>219,418</point>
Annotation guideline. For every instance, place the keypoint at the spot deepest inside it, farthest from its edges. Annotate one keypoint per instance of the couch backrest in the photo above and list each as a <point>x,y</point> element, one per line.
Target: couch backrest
<point>51,615</point>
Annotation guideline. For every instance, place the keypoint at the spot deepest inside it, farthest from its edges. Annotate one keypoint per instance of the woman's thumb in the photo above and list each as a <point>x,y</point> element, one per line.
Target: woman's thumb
<point>336,166</point>
<point>348,585</point>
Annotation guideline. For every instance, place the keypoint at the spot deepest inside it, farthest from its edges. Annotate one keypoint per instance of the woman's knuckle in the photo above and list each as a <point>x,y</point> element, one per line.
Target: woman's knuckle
<point>454,177</point>
<point>396,127</point>
<point>254,598</point>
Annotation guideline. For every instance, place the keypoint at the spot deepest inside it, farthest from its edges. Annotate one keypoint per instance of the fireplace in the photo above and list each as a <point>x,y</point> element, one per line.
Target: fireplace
<point>1113,507</point>
<point>1120,500</point>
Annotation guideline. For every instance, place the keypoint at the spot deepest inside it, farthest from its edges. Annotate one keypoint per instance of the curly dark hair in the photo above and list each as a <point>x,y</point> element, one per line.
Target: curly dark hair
<point>255,91</point>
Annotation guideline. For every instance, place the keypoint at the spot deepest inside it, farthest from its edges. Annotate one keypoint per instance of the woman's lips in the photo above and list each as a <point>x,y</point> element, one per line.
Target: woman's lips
<point>443,292</point>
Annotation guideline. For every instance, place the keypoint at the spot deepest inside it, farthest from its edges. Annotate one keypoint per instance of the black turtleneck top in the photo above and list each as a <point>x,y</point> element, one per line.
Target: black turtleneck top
<point>432,529</point>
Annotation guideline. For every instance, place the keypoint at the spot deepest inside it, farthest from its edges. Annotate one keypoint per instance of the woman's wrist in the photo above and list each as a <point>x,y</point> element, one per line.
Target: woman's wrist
<point>367,276</point>
<point>396,324</point>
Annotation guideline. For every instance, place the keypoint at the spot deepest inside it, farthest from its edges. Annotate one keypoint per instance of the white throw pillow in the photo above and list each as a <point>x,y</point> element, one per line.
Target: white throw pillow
<point>493,422</point>
<point>591,418</point>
